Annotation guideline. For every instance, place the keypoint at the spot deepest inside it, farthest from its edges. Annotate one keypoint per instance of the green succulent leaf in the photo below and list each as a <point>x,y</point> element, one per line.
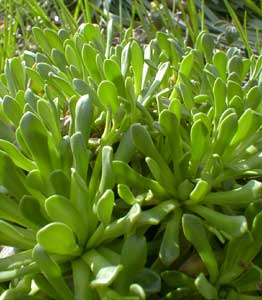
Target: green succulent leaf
<point>248,123</point>
<point>234,226</point>
<point>149,280</point>
<point>195,233</point>
<point>133,259</point>
<point>107,177</point>
<point>60,209</point>
<point>104,206</point>
<point>137,62</point>
<point>42,41</point>
<point>205,288</point>
<point>15,184</point>
<point>176,279</point>
<point>236,257</point>
<point>89,55</point>
<point>108,95</point>
<point>170,245</point>
<point>58,238</point>
<point>31,210</point>
<point>52,272</point>
<point>12,109</point>
<point>113,73</point>
<point>105,273</point>
<point>37,140</point>
<point>81,155</point>
<point>82,279</point>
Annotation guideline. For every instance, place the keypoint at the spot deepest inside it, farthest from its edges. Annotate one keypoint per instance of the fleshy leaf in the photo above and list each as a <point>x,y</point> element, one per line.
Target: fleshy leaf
<point>58,238</point>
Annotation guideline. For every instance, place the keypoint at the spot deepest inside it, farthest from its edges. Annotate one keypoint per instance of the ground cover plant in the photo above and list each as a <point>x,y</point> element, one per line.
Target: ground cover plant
<point>130,171</point>
<point>17,17</point>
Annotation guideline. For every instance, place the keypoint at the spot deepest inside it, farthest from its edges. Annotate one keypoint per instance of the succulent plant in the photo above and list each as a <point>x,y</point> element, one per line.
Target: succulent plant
<point>130,171</point>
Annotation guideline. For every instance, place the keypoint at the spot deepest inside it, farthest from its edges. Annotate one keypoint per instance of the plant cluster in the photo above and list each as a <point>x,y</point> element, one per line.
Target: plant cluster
<point>130,172</point>
<point>179,17</point>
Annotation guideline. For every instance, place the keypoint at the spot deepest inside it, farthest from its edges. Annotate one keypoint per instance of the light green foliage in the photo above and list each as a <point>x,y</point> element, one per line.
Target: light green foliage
<point>130,171</point>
